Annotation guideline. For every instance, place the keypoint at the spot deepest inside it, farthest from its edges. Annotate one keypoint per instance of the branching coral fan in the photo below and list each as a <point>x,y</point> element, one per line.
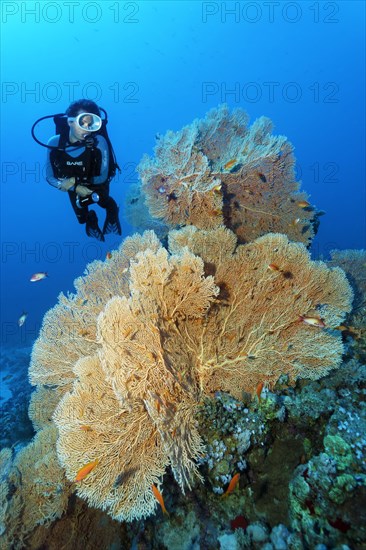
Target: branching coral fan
<point>218,170</point>
<point>149,333</point>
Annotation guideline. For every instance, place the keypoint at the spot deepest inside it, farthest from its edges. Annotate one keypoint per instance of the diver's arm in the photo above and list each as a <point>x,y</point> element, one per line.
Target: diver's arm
<point>103,147</point>
<point>62,184</point>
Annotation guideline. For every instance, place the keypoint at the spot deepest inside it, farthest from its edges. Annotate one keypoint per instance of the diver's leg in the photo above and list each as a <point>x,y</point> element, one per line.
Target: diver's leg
<point>89,217</point>
<point>111,224</point>
<point>81,213</point>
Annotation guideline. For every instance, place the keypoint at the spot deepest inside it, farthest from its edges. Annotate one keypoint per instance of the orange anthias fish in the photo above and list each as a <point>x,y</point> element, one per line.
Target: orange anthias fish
<point>303,204</point>
<point>233,483</point>
<point>159,498</point>
<point>259,389</point>
<point>38,276</point>
<point>274,267</point>
<point>85,470</point>
<point>313,321</point>
<point>230,164</point>
<point>108,256</point>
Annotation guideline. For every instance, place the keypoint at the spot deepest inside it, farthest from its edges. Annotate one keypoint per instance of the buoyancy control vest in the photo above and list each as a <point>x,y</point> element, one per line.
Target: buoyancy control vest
<point>83,167</point>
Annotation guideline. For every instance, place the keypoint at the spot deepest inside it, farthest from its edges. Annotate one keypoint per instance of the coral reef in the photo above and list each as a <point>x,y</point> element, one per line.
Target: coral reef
<point>78,529</point>
<point>213,352</point>
<point>328,493</point>
<point>218,170</point>
<point>278,438</point>
<point>150,333</point>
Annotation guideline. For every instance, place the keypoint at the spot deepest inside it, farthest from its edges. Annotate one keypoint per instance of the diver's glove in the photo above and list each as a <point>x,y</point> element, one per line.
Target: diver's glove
<point>66,184</point>
<point>82,191</point>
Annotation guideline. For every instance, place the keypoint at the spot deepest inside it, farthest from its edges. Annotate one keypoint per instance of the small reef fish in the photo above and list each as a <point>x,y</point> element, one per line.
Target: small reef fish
<point>85,470</point>
<point>258,391</point>
<point>230,164</point>
<point>303,204</point>
<point>313,321</point>
<point>118,481</point>
<point>22,318</point>
<point>262,177</point>
<point>38,276</point>
<point>233,483</point>
<point>123,477</point>
<point>86,428</point>
<point>159,498</point>
<point>274,267</point>
<point>108,256</point>
<point>217,188</point>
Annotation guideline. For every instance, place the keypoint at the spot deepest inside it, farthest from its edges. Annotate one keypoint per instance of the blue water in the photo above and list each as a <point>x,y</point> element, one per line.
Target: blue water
<point>156,66</point>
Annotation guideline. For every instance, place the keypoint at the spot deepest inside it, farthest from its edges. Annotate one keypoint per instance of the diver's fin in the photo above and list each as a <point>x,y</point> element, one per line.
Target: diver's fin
<point>92,227</point>
<point>112,224</point>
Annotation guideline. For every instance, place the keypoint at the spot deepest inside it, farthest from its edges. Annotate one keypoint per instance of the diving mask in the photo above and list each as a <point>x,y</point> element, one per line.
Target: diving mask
<point>87,121</point>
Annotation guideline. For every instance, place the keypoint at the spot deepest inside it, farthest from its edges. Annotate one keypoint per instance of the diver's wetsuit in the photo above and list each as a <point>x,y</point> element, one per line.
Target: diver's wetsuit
<point>98,183</point>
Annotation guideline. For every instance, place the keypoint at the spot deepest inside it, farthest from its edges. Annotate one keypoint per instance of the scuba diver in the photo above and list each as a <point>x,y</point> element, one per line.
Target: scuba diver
<point>81,162</point>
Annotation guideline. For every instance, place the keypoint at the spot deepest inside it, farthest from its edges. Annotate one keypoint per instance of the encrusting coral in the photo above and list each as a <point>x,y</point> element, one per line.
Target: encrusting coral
<point>219,171</point>
<point>161,330</point>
